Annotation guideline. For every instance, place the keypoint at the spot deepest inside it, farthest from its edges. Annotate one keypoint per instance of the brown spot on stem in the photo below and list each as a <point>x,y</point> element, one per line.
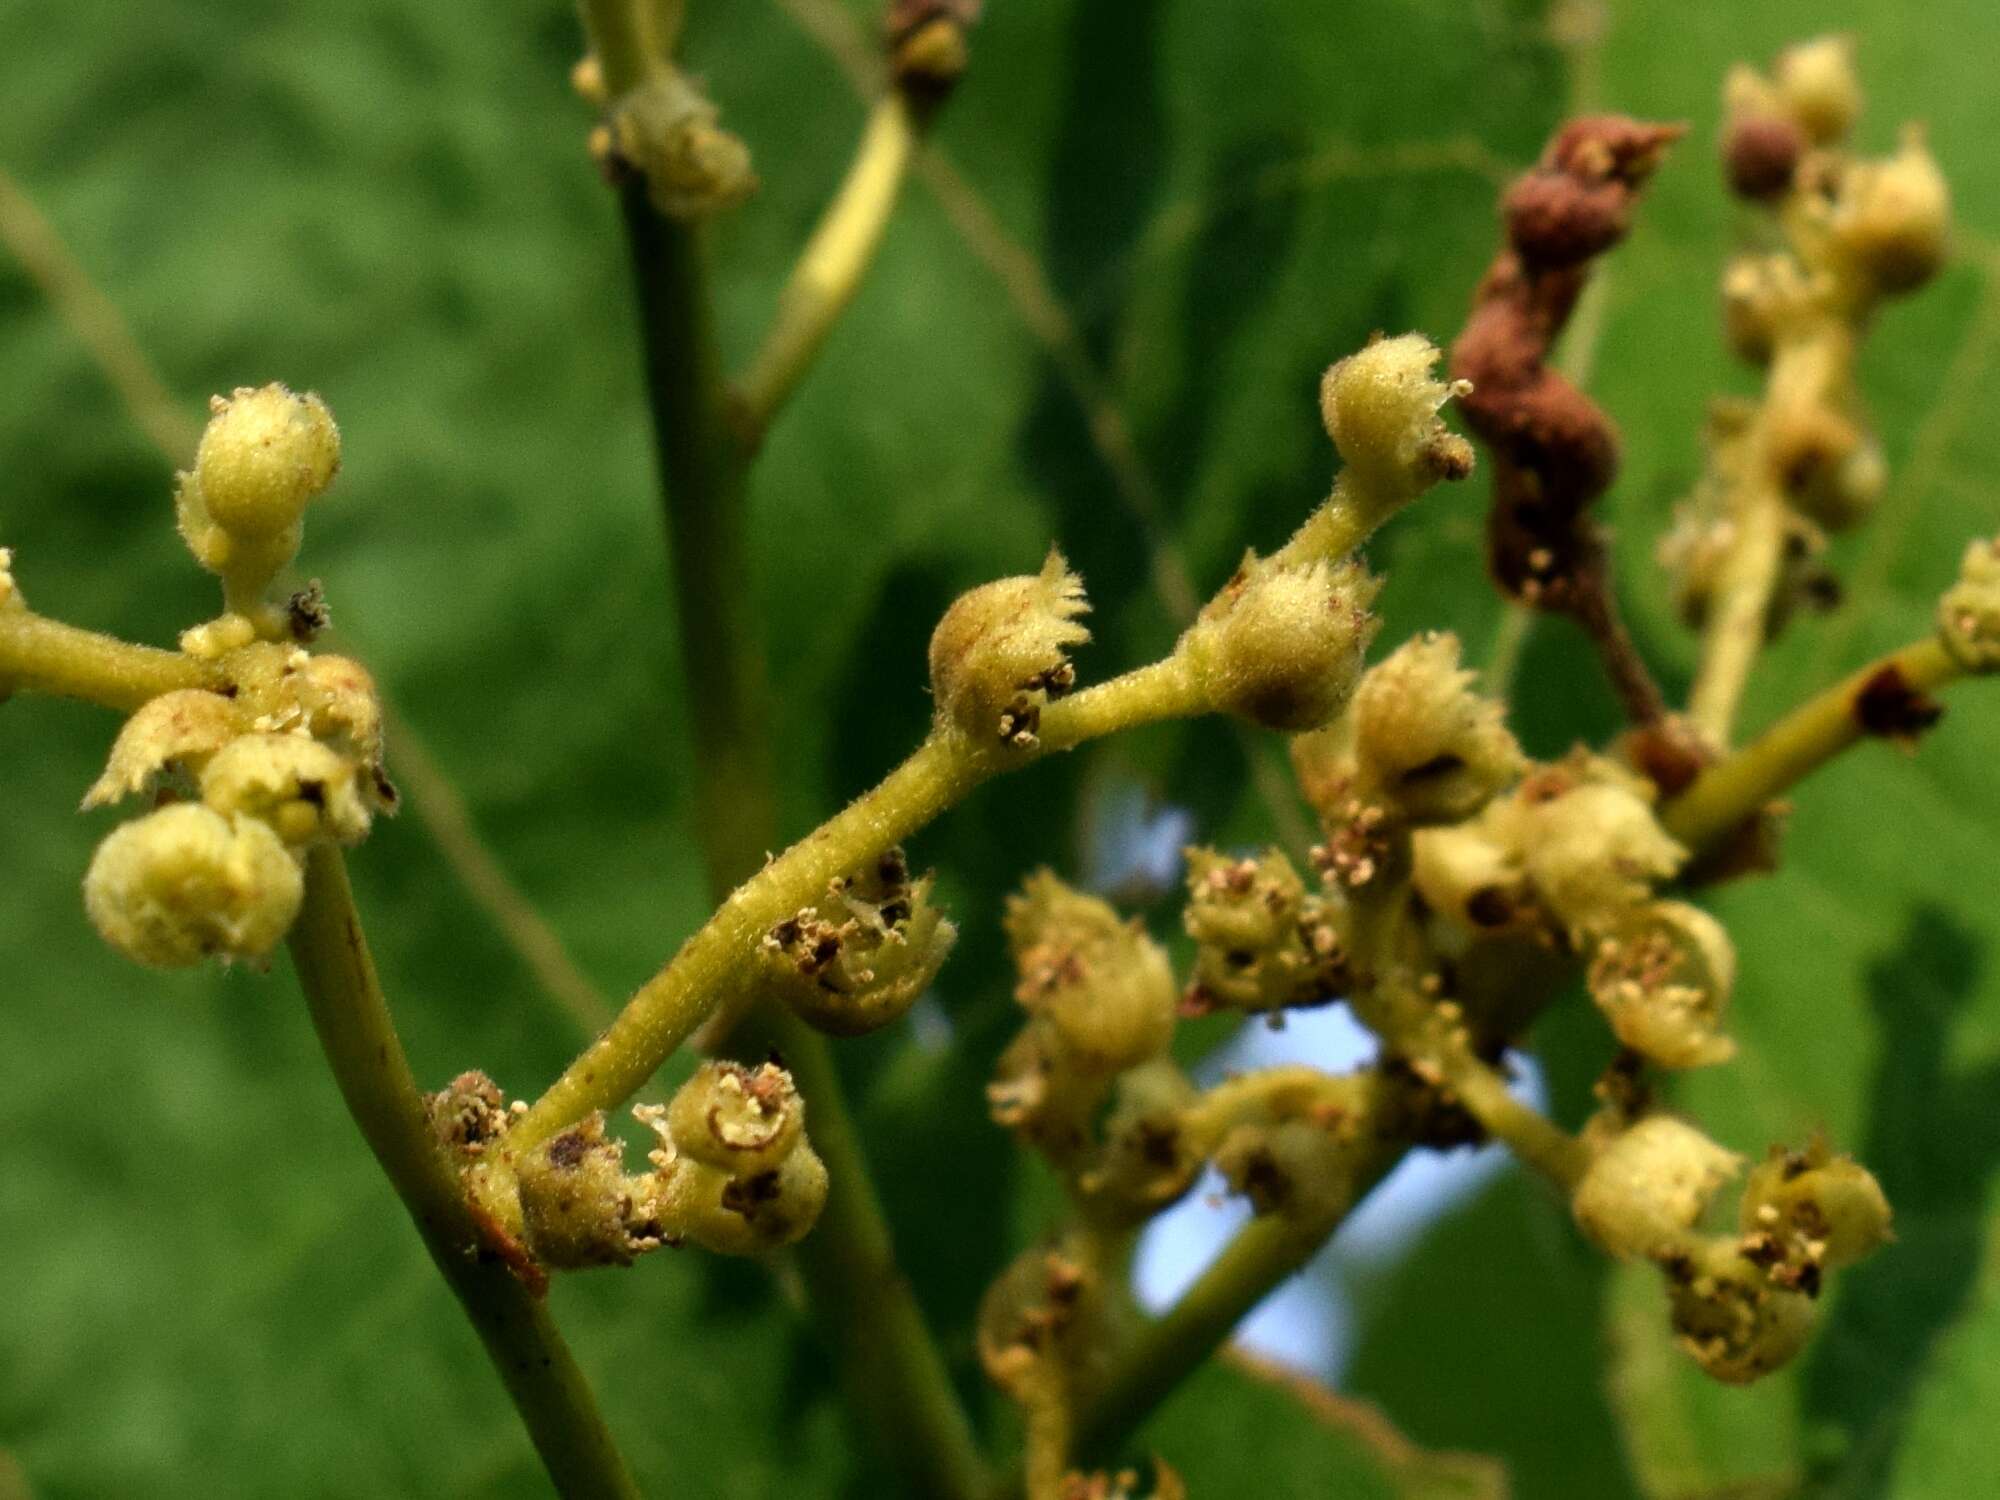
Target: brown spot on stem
<point>1891,707</point>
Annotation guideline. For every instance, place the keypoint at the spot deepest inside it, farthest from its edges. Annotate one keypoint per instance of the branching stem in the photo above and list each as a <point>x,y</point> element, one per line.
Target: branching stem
<point>359,1039</point>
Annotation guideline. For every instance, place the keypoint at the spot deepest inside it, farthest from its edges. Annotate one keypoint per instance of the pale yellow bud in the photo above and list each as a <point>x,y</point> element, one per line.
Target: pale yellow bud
<point>1648,1184</point>
<point>1969,613</point>
<point>303,789</point>
<point>178,730</point>
<point>1262,943</point>
<point>1469,876</point>
<point>184,882</point>
<point>1893,217</point>
<point>1001,652</point>
<point>1731,1317</point>
<point>1427,746</point>
<point>735,1215</point>
<point>1104,987</point>
<point>1283,645</point>
<point>1815,84</point>
<point>1818,1209</point>
<point>1381,410</point>
<point>1585,832</point>
<point>265,454</point>
<point>1662,975</point>
<point>741,1120</point>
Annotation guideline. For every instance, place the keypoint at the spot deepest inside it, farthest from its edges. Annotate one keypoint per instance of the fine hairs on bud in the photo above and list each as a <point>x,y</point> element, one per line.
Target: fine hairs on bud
<point>1381,410</point>
<point>1262,942</point>
<point>1427,746</point>
<point>1002,651</point>
<point>184,882</point>
<point>1283,644</point>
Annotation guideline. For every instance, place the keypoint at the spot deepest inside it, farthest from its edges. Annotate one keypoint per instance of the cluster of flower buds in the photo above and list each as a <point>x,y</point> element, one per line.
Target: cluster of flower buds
<point>1101,1000</point>
<point>1001,652</point>
<point>1263,942</point>
<point>733,1172</point>
<point>286,754</point>
<point>1742,1304</point>
<point>1856,232</point>
<point>860,956</point>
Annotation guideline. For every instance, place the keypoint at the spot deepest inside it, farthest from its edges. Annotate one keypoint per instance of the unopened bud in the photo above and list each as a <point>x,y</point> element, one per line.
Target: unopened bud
<point>1969,613</point>
<point>1818,1209</point>
<point>1381,410</point>
<point>1002,651</point>
<point>1262,943</point>
<point>175,731</point>
<point>303,789</point>
<point>1733,1319</point>
<point>184,882</point>
<point>1585,832</point>
<point>1283,645</point>
<point>1103,986</point>
<point>744,1215</point>
<point>1427,746</point>
<point>1647,1185</point>
<point>744,1121</point>
<point>1662,976</point>
<point>1893,217</point>
<point>667,129</point>
<point>1816,85</point>
<point>862,955</point>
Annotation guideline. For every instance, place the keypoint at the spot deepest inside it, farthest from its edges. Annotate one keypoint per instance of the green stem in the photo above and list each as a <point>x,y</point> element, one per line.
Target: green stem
<point>355,1031</point>
<point>41,655</point>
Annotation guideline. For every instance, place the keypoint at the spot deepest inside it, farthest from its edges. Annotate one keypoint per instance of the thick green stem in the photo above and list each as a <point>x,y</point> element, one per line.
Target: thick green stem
<point>41,655</point>
<point>359,1039</point>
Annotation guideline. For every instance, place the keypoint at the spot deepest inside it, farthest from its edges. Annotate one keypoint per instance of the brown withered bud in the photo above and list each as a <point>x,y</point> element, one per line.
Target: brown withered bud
<point>1759,155</point>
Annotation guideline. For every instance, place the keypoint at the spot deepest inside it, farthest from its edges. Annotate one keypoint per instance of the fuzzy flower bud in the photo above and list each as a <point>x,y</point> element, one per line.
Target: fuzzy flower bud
<point>1426,746</point>
<point>1733,1319</point>
<point>178,730</point>
<point>1262,943</point>
<point>1893,216</point>
<point>1001,652</point>
<point>1584,831</point>
<point>1814,1209</point>
<point>1969,613</point>
<point>1816,86</point>
<point>1648,1184</point>
<point>1381,410</point>
<point>860,956</point>
<point>578,1206</point>
<point>744,1121</point>
<point>1662,976</point>
<point>265,454</point>
<point>184,882</point>
<point>301,788</point>
<point>1283,644</point>
<point>1101,984</point>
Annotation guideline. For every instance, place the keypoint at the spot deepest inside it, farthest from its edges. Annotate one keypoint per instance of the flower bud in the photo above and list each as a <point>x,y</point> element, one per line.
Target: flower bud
<point>1733,1319</point>
<point>1426,746</point>
<point>1381,410</point>
<point>1290,1167</point>
<point>744,1215</point>
<point>1969,613</point>
<point>1148,1160</point>
<point>860,956</point>
<point>1816,85</point>
<point>265,454</point>
<point>744,1121</point>
<point>1001,652</point>
<point>1892,217</point>
<point>1283,645</point>
<point>302,789</point>
<point>1648,1184</point>
<point>1585,832</point>
<point>1262,943</point>
<point>1816,1209</point>
<point>184,882</point>
<point>1759,154</point>
<point>1662,975</point>
<point>579,1208</point>
<point>667,129</point>
<point>1760,295</point>
<point>1103,986</point>
<point>1467,875</point>
<point>178,730</point>
<point>468,1114</point>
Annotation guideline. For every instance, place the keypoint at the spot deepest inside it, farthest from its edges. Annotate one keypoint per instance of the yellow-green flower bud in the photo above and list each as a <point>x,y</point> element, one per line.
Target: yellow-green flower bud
<point>1648,1184</point>
<point>667,128</point>
<point>579,1208</point>
<point>178,730</point>
<point>860,956</point>
<point>1815,1208</point>
<point>744,1121</point>
<point>1148,1159</point>
<point>1662,975</point>
<point>1103,986</point>
<point>1381,410</point>
<point>1892,217</point>
<point>265,454</point>
<point>744,1215</point>
<point>1001,652</point>
<point>1428,748</point>
<point>1969,613</point>
<point>1585,832</point>
<point>1735,1322</point>
<point>184,882</point>
<point>1816,86</point>
<point>1262,942</point>
<point>1283,644</point>
<point>303,789</point>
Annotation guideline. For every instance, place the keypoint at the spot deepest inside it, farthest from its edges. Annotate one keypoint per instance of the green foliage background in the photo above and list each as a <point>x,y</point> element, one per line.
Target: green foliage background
<point>205,1286</point>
